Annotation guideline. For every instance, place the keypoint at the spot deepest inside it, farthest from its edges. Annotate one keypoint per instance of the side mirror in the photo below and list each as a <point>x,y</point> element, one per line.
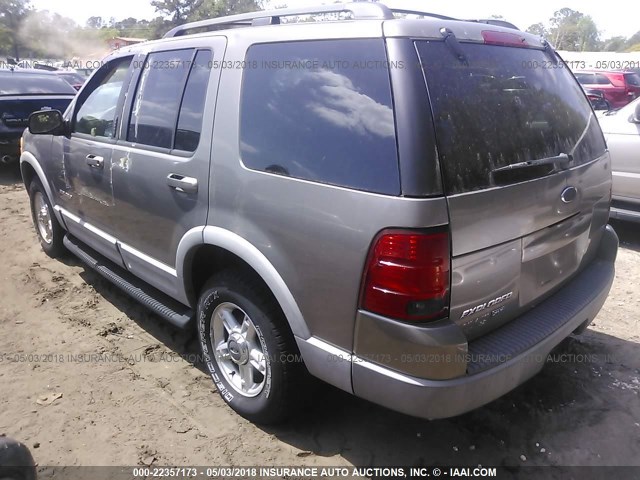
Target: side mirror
<point>635,118</point>
<point>46,122</point>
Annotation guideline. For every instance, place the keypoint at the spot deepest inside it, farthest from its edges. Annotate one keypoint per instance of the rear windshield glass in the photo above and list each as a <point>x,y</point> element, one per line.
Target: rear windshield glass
<point>504,106</point>
<point>33,84</point>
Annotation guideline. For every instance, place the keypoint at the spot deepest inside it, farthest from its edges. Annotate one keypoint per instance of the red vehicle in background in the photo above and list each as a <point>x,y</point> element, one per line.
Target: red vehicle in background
<point>618,88</point>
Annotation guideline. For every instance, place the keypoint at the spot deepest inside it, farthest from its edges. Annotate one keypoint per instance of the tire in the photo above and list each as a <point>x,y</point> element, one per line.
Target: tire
<point>16,462</point>
<point>265,358</point>
<point>49,231</point>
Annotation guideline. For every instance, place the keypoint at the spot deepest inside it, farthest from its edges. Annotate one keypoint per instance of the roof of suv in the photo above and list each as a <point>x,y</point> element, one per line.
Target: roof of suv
<point>365,19</point>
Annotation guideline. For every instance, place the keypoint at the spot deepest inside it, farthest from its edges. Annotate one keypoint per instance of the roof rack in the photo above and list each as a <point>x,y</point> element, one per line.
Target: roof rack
<point>359,10</point>
<point>420,12</point>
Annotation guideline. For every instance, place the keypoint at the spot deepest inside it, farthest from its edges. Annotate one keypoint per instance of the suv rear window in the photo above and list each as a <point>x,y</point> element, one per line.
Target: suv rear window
<point>498,110</point>
<point>14,83</point>
<point>321,111</point>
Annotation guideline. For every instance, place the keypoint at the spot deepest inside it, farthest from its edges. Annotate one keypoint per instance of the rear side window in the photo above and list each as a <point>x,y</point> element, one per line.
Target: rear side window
<point>585,78</point>
<point>13,83</point>
<point>632,79</point>
<point>169,100</point>
<point>495,111</point>
<point>602,79</point>
<point>321,111</point>
<point>192,108</point>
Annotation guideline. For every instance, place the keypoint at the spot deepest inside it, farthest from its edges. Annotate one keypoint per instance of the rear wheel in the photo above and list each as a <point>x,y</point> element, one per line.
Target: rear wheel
<point>49,231</point>
<point>248,347</point>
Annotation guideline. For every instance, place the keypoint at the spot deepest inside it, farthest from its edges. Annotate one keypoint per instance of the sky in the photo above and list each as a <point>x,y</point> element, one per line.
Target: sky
<point>624,20</point>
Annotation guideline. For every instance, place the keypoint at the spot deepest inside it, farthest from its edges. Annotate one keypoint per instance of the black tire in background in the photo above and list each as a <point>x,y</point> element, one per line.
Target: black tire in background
<point>246,296</point>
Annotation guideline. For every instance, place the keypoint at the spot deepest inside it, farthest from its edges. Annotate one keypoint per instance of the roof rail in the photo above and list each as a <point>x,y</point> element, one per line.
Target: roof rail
<point>360,11</point>
<point>420,12</point>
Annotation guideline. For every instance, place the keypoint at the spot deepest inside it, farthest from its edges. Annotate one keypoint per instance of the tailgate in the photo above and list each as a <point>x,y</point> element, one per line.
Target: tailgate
<point>526,175</point>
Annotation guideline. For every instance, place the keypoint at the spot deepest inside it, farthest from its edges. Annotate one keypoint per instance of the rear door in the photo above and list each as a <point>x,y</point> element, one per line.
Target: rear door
<point>518,231</point>
<point>161,160</point>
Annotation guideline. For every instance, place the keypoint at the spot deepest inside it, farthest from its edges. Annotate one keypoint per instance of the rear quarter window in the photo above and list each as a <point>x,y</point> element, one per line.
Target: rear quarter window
<point>602,79</point>
<point>585,78</point>
<point>632,79</point>
<point>321,111</point>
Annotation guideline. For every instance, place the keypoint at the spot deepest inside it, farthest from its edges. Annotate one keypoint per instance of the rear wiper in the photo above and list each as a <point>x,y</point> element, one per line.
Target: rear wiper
<point>452,43</point>
<point>562,159</point>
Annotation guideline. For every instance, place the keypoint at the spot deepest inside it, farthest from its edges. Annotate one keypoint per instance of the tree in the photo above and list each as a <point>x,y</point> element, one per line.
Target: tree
<point>178,11</point>
<point>12,15</point>
<point>614,44</point>
<point>221,8</point>
<point>587,34</point>
<point>95,22</point>
<point>538,29</point>
<point>634,39</point>
<point>564,29</point>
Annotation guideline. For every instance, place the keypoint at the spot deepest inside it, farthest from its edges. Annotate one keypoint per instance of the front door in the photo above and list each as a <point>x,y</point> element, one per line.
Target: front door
<point>87,154</point>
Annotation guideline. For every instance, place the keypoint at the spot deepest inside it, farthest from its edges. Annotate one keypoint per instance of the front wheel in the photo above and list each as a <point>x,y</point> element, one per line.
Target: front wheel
<point>248,347</point>
<point>49,231</point>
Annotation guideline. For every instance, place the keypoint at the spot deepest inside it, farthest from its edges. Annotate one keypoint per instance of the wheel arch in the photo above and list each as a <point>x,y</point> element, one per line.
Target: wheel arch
<point>30,168</point>
<point>205,250</point>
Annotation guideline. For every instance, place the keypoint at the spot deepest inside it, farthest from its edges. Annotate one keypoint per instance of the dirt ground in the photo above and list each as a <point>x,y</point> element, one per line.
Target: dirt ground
<point>131,394</point>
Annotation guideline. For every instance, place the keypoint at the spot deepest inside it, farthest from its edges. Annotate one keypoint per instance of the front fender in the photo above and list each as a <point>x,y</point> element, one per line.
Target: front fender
<point>27,158</point>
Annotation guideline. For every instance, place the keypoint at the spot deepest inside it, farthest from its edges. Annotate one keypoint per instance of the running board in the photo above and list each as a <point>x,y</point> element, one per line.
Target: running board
<point>156,301</point>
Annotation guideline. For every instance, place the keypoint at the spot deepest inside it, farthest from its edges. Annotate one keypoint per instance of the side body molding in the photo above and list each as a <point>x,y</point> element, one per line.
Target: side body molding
<point>237,245</point>
<point>29,158</point>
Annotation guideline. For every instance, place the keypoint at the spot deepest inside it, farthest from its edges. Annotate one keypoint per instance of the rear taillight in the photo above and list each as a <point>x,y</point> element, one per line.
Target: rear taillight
<point>407,275</point>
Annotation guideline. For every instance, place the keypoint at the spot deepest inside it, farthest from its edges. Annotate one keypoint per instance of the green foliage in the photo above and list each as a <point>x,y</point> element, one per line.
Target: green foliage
<point>574,31</point>
<point>538,29</point>
<point>221,8</point>
<point>12,14</point>
<point>614,44</point>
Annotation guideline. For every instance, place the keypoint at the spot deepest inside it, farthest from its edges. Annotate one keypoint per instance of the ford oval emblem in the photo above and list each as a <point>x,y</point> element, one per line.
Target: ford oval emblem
<point>569,194</point>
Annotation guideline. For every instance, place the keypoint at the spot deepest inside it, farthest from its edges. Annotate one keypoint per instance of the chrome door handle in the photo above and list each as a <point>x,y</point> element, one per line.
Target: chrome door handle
<point>95,161</point>
<point>182,183</point>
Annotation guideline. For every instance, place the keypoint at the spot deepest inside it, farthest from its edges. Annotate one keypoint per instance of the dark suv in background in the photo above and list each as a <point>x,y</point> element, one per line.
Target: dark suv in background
<point>23,92</point>
<point>399,207</point>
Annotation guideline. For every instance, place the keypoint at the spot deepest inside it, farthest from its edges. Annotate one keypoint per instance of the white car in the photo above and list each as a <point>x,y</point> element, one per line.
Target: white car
<point>622,131</point>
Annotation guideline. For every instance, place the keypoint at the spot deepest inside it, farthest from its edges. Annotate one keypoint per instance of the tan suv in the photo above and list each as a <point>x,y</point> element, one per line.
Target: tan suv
<point>400,207</point>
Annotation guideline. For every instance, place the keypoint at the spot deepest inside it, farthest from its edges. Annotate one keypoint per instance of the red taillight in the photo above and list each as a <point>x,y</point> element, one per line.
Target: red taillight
<point>407,275</point>
<point>507,39</point>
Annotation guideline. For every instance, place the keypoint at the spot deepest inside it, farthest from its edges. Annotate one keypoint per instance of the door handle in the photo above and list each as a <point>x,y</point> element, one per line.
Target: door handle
<point>182,183</point>
<point>95,161</point>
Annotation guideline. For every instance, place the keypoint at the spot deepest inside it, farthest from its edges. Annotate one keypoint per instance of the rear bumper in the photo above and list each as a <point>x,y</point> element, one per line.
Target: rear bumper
<point>502,360</point>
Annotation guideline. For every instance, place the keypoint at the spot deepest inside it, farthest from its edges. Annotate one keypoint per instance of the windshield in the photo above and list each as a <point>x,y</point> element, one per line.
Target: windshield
<point>504,106</point>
